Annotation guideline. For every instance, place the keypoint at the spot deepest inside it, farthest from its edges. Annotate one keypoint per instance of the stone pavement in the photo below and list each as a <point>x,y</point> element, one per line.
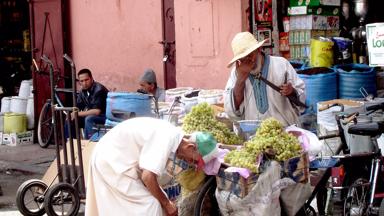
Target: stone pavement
<point>17,165</point>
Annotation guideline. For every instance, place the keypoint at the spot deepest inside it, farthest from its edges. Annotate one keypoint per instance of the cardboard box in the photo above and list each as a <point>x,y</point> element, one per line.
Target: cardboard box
<point>235,183</point>
<point>293,3</point>
<point>314,22</point>
<point>23,138</point>
<point>321,10</point>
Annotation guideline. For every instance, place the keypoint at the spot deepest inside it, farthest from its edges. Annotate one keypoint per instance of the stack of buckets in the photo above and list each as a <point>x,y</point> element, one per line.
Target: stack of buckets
<point>17,112</point>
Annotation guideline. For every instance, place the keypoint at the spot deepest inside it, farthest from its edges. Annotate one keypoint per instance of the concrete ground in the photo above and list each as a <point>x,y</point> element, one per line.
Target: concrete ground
<point>17,165</point>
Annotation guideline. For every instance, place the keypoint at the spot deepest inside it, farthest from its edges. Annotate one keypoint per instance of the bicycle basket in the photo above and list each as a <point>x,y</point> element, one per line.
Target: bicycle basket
<point>323,163</point>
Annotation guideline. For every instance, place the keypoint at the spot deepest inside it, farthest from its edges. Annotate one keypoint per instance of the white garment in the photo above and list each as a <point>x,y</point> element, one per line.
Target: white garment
<point>114,186</point>
<point>279,106</point>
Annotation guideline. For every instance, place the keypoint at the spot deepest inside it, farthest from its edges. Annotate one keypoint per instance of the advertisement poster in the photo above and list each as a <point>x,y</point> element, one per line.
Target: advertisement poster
<point>263,20</point>
<point>375,43</point>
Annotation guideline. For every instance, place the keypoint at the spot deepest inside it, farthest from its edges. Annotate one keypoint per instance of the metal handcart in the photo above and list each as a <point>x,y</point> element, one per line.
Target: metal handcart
<point>35,197</point>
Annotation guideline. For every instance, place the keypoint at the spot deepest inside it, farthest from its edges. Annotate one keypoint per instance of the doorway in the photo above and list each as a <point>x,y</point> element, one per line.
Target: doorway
<point>169,57</point>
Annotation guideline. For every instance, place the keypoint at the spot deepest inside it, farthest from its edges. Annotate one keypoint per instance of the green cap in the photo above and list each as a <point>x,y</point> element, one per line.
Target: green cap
<point>206,145</point>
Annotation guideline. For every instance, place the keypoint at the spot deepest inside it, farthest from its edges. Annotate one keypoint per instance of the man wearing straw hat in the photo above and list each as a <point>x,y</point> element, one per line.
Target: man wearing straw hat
<point>249,98</point>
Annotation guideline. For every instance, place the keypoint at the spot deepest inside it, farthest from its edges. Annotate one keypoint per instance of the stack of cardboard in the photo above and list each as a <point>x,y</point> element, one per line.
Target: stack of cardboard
<point>311,19</point>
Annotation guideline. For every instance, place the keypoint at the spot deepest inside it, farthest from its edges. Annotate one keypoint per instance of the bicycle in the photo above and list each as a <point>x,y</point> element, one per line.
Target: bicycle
<point>363,195</point>
<point>45,124</point>
<point>206,203</point>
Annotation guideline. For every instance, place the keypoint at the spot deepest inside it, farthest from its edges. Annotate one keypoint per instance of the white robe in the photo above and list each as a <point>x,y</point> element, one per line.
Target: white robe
<point>114,186</point>
<point>279,106</point>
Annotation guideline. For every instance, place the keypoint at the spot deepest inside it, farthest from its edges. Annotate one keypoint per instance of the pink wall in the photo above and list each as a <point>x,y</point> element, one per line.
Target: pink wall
<point>118,39</point>
<point>204,31</point>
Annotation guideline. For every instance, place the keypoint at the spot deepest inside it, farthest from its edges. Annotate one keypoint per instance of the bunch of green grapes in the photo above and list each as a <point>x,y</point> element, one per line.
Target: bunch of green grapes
<point>202,118</point>
<point>242,158</point>
<point>271,135</point>
<point>269,127</point>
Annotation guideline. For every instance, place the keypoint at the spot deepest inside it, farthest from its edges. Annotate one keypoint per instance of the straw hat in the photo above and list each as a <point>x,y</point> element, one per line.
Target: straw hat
<point>242,45</point>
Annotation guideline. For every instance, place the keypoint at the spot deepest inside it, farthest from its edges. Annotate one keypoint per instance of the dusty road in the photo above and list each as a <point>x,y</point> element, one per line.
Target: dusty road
<point>18,164</point>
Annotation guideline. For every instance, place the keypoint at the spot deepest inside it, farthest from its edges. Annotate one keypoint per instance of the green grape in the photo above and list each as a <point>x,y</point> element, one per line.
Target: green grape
<point>202,118</point>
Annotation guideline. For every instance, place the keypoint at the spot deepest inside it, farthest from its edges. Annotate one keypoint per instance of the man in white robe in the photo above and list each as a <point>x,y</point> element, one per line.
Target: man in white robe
<point>249,98</point>
<point>126,162</point>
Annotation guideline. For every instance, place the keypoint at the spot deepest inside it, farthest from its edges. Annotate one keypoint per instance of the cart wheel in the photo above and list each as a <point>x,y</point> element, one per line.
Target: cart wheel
<point>45,127</point>
<point>62,199</point>
<point>206,203</point>
<point>357,198</point>
<point>30,197</point>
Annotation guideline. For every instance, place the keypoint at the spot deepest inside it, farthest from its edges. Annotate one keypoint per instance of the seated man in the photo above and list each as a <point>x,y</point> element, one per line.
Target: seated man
<point>91,102</point>
<point>148,84</point>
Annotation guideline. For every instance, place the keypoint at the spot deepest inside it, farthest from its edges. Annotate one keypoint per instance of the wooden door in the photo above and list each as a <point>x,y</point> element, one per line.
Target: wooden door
<point>47,39</point>
<point>169,58</point>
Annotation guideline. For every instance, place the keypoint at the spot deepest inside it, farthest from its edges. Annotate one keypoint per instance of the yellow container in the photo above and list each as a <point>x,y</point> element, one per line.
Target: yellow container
<point>15,123</point>
<point>321,53</point>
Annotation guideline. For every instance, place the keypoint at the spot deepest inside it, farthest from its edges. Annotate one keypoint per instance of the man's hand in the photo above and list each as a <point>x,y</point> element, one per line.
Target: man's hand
<point>170,209</point>
<point>286,89</point>
<point>243,68</point>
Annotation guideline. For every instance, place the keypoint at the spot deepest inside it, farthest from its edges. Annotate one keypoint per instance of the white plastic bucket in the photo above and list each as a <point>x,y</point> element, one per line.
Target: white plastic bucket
<point>30,113</point>
<point>31,91</point>
<point>5,104</point>
<point>18,104</point>
<point>211,96</point>
<point>25,88</point>
<point>171,94</point>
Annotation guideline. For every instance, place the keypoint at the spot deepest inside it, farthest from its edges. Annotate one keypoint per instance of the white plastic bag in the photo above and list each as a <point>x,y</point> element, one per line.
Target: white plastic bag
<point>308,140</point>
<point>262,200</point>
<point>294,196</point>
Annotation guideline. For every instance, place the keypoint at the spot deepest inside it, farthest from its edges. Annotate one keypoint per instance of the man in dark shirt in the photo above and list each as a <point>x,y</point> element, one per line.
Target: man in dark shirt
<point>91,102</point>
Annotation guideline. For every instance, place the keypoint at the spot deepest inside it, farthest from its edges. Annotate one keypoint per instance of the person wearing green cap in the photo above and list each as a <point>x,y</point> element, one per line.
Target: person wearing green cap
<point>127,161</point>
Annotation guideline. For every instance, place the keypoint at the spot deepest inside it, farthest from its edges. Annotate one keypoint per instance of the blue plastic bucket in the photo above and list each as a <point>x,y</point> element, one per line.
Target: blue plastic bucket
<point>123,105</point>
<point>321,86</point>
<point>353,77</point>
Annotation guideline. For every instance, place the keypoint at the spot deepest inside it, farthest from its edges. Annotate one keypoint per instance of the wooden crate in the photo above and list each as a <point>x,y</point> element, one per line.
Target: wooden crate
<point>236,184</point>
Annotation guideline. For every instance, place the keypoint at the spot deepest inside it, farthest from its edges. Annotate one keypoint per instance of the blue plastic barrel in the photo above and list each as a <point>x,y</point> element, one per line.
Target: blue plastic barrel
<point>319,86</point>
<point>123,105</point>
<point>352,77</point>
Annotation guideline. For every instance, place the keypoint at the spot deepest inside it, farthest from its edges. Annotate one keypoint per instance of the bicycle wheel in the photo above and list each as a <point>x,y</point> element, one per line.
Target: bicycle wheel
<point>306,210</point>
<point>206,203</point>
<point>45,127</point>
<point>62,199</point>
<point>381,209</point>
<point>30,197</point>
<point>357,198</point>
